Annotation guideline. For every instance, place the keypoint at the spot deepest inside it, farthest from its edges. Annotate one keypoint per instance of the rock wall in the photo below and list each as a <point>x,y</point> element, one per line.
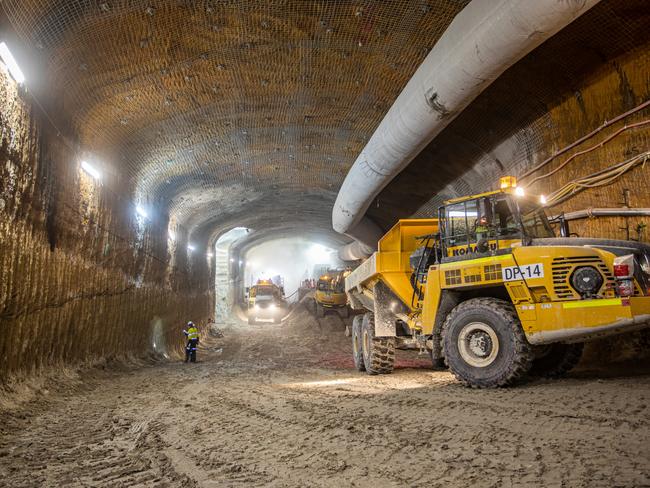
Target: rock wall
<point>81,277</point>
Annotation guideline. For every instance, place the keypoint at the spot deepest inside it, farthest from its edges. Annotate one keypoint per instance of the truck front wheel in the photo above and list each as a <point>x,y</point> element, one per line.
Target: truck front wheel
<point>357,347</point>
<point>556,360</point>
<point>378,352</point>
<point>484,345</point>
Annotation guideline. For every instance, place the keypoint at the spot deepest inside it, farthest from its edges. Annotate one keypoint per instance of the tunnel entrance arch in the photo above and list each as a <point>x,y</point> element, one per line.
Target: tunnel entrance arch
<point>225,264</point>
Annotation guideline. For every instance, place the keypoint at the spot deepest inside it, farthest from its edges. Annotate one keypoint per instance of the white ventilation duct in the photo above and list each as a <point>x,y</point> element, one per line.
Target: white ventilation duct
<point>484,40</point>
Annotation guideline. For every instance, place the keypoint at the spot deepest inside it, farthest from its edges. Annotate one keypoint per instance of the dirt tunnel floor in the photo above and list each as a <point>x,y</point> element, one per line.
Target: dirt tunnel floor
<point>280,406</point>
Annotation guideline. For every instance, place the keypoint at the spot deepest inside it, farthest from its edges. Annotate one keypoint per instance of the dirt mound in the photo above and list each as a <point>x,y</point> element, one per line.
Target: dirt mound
<point>300,337</point>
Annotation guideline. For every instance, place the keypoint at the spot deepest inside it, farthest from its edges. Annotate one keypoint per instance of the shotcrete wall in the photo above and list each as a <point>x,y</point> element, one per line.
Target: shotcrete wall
<point>80,277</point>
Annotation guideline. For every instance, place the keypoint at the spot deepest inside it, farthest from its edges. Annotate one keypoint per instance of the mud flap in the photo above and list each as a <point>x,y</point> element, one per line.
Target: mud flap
<point>386,306</point>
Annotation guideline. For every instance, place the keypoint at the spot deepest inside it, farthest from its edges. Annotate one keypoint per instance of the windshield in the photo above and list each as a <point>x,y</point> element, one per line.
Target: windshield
<point>323,285</point>
<point>265,292</point>
<point>490,220</point>
<point>534,219</point>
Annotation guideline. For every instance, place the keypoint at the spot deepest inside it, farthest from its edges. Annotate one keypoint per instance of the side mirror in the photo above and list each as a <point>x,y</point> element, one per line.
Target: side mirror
<point>564,227</point>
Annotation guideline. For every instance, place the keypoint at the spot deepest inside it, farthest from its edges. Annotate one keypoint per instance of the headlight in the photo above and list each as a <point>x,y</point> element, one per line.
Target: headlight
<point>586,280</point>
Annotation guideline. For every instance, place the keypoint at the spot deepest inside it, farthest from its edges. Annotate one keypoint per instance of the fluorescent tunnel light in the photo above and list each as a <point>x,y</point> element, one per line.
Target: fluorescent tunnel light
<point>9,60</point>
<point>90,170</point>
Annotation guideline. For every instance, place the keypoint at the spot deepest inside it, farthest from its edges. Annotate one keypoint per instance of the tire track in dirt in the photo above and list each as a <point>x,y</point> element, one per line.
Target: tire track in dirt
<point>265,407</point>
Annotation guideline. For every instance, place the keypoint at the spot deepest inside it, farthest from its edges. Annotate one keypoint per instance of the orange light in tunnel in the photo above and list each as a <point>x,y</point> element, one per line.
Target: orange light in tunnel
<point>506,182</point>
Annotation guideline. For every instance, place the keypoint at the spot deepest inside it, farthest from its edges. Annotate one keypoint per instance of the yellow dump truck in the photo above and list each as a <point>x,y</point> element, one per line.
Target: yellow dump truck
<point>266,302</point>
<point>330,293</point>
<point>488,289</point>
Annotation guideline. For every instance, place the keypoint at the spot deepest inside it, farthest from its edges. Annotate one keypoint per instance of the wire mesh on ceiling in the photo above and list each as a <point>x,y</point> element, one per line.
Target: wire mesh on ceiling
<point>270,99</point>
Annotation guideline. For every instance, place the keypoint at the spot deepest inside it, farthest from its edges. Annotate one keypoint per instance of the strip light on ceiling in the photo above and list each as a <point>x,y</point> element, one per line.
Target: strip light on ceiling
<point>9,61</point>
<point>90,170</point>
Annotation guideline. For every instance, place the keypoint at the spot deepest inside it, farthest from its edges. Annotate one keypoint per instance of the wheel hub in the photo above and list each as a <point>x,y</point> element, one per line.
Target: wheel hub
<point>478,344</point>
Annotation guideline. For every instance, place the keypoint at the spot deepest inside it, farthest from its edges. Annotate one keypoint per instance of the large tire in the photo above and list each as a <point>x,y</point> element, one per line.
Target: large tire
<point>484,344</point>
<point>555,360</point>
<point>320,311</point>
<point>378,352</point>
<point>357,348</point>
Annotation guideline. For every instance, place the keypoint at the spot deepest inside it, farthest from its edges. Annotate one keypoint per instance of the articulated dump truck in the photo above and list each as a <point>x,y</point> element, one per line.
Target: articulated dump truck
<point>490,291</point>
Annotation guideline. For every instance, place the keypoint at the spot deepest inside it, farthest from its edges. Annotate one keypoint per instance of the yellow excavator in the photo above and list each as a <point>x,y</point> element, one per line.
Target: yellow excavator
<point>488,289</point>
<point>330,293</point>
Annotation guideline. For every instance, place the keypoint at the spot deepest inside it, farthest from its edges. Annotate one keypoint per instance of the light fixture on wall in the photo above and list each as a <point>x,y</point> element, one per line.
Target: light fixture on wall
<point>11,64</point>
<point>90,170</point>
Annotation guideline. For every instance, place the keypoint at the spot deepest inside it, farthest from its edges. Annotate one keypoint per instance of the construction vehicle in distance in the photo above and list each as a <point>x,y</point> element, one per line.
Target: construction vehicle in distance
<point>330,293</point>
<point>489,290</point>
<point>266,301</point>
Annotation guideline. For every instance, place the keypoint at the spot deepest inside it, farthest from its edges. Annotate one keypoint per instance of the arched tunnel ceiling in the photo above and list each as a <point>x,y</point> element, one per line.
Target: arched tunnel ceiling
<point>230,113</point>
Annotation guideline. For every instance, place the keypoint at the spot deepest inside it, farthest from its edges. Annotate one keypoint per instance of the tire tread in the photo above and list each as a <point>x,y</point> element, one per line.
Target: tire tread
<point>524,353</point>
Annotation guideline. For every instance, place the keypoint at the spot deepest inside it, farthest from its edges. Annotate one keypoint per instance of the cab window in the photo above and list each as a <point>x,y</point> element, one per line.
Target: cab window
<point>323,285</point>
<point>462,220</point>
<point>456,223</point>
<point>505,222</point>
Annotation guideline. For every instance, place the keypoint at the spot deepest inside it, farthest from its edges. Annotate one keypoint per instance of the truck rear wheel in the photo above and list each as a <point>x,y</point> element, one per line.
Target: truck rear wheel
<point>378,352</point>
<point>357,347</point>
<point>556,360</point>
<point>484,345</point>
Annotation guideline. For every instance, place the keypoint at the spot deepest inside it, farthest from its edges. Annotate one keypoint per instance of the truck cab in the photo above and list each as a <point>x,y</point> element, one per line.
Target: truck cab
<point>330,293</point>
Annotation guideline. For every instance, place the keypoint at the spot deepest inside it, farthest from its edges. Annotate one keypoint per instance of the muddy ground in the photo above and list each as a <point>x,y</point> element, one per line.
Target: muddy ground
<point>279,405</point>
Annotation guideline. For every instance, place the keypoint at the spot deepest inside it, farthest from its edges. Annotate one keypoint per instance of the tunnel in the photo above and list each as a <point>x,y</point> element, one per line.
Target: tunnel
<point>162,161</point>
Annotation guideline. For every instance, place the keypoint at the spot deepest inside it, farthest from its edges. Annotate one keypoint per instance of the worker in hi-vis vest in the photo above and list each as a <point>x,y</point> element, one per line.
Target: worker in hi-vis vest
<point>192,334</point>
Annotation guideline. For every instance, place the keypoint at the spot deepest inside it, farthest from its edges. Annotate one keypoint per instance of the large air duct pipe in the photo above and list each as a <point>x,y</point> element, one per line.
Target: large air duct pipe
<point>485,39</point>
<point>355,251</point>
